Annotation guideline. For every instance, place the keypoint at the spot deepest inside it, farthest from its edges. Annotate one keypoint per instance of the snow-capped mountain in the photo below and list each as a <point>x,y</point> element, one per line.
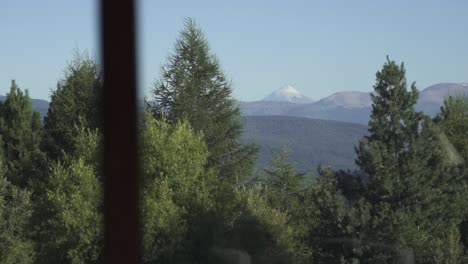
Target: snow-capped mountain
<point>348,106</point>
<point>346,99</point>
<point>287,93</point>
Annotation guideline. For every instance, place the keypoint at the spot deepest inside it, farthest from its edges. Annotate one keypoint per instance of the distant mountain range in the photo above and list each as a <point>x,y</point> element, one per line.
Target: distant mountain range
<point>348,106</point>
<point>322,132</point>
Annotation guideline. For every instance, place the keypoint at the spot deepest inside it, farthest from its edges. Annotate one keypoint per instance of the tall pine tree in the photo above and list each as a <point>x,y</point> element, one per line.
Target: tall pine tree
<point>20,128</point>
<point>410,188</point>
<point>193,86</point>
<point>76,103</point>
<point>283,183</point>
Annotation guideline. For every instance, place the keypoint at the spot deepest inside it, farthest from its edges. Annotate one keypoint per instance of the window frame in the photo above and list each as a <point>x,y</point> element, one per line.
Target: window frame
<point>122,234</point>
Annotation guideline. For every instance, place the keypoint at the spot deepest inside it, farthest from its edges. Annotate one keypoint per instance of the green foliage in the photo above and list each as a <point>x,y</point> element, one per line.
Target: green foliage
<point>263,233</point>
<point>444,250</point>
<point>191,216</point>
<point>282,192</point>
<point>15,212</point>
<point>172,150</point>
<point>20,128</point>
<point>77,102</point>
<point>193,86</point>
<point>176,184</point>
<point>71,230</point>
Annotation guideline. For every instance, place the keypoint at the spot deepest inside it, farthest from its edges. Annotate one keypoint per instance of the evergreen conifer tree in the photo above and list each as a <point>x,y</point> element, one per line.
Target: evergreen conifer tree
<point>77,102</point>
<point>410,188</point>
<point>20,128</point>
<point>193,86</point>
<point>283,183</point>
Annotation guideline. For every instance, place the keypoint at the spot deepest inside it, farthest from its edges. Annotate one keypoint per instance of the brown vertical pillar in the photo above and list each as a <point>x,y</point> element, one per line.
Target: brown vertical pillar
<point>122,234</point>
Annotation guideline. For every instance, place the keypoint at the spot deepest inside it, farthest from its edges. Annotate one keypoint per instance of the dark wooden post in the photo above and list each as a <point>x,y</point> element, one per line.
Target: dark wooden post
<point>121,214</point>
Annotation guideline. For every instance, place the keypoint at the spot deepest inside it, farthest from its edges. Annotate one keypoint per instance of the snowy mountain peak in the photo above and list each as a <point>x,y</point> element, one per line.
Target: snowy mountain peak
<point>287,93</point>
<point>288,90</point>
<point>347,99</point>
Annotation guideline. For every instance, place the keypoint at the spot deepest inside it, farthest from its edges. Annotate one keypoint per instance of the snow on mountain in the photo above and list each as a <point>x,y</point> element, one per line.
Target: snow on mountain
<point>287,93</point>
<point>347,99</point>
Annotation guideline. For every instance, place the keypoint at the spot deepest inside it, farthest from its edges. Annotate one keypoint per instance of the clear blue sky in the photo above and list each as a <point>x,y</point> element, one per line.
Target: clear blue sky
<point>320,47</point>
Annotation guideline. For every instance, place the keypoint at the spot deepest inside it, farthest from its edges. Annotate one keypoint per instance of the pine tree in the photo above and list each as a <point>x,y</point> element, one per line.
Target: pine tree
<point>393,127</point>
<point>77,102</point>
<point>410,188</point>
<point>20,127</point>
<point>282,182</point>
<point>193,86</point>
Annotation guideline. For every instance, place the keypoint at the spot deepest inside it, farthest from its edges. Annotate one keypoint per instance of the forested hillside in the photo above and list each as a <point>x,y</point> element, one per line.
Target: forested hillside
<point>312,142</point>
<point>201,201</point>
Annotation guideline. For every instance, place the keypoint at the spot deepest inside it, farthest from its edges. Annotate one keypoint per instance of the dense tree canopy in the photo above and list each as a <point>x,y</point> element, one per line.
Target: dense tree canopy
<point>453,128</point>
<point>71,206</point>
<point>16,245</point>
<point>213,217</point>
